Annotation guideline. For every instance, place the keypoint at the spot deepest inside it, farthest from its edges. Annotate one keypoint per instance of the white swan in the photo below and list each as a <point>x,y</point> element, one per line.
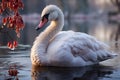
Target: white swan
<point>65,48</point>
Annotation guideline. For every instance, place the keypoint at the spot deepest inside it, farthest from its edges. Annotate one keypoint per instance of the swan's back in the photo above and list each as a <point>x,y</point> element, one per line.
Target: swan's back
<point>70,48</point>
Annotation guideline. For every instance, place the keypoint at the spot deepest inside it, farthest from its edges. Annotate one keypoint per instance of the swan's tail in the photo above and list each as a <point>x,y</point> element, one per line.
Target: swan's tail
<point>111,55</point>
<point>111,62</point>
<point>104,55</point>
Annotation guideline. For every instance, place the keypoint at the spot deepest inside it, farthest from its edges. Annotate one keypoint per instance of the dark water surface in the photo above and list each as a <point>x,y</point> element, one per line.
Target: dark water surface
<point>108,70</point>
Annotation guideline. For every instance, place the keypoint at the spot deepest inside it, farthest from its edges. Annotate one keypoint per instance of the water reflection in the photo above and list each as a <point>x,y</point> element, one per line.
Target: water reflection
<point>83,73</point>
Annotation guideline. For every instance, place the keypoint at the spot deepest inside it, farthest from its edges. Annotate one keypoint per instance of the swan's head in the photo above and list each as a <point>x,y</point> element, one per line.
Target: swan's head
<point>49,13</point>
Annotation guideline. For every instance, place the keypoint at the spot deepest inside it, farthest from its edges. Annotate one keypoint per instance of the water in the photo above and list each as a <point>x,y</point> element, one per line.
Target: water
<point>19,57</point>
<point>101,29</point>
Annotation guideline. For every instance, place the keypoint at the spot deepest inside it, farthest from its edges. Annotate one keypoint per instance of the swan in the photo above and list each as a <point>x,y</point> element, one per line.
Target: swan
<point>54,47</point>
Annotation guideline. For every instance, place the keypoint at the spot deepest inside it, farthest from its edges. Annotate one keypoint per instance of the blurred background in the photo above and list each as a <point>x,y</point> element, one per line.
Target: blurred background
<point>97,18</point>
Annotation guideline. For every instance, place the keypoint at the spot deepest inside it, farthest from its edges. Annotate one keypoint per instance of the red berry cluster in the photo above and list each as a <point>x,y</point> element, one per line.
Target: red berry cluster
<point>12,5</point>
<point>12,44</point>
<point>14,21</point>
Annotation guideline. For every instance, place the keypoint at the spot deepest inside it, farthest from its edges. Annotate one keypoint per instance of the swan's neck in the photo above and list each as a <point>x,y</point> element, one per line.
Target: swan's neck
<point>52,30</point>
<point>42,41</point>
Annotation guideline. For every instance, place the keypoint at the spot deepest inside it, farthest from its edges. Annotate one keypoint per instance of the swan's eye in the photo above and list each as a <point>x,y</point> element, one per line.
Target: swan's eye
<point>45,17</point>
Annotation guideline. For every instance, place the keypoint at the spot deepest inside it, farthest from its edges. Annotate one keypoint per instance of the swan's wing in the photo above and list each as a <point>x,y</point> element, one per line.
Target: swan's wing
<point>79,46</point>
<point>88,48</point>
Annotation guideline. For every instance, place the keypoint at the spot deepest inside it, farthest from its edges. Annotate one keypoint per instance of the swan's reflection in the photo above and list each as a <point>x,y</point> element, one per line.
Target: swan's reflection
<point>84,73</point>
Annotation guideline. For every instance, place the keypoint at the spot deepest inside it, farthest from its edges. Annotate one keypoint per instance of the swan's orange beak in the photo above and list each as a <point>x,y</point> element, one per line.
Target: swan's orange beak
<point>42,23</point>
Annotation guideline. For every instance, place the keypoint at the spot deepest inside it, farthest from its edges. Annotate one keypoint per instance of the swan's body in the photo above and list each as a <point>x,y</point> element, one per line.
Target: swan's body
<point>65,48</point>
